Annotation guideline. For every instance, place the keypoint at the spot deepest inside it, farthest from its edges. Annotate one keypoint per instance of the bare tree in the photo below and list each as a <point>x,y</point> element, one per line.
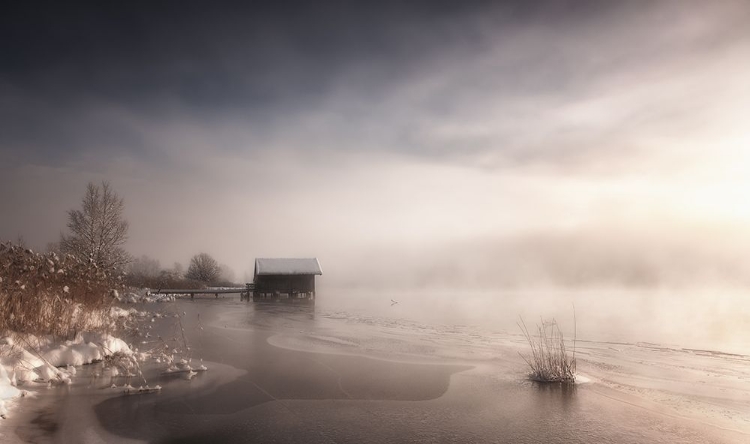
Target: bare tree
<point>203,268</point>
<point>99,229</point>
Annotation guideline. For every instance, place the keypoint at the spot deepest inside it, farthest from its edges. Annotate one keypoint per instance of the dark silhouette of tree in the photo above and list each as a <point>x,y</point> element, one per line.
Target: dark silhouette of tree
<point>203,268</point>
<point>98,230</point>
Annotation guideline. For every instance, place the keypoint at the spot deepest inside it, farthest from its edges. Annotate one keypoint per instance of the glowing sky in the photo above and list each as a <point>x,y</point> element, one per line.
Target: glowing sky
<point>479,143</point>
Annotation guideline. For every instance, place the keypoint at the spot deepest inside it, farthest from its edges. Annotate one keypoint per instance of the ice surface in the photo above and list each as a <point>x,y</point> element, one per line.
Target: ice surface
<point>327,365</point>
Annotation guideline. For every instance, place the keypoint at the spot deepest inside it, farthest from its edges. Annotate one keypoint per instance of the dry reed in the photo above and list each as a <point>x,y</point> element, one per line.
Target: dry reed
<point>43,294</point>
<point>549,360</point>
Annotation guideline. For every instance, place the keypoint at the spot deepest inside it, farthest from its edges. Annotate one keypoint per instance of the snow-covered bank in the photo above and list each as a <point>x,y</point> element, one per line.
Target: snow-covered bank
<point>27,359</point>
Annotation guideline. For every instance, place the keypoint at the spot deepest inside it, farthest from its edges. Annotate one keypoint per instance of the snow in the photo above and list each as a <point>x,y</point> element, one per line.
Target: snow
<point>183,366</point>
<point>144,295</point>
<point>266,266</point>
<point>582,379</point>
<point>117,312</point>
<point>33,359</point>
<point>7,390</point>
<point>85,349</point>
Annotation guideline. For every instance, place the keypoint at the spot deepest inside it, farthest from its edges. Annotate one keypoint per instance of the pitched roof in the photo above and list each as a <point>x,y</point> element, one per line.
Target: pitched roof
<point>266,266</point>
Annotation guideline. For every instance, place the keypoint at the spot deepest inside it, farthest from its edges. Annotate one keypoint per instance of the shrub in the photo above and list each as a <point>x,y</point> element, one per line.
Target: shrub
<point>549,360</point>
<point>44,294</point>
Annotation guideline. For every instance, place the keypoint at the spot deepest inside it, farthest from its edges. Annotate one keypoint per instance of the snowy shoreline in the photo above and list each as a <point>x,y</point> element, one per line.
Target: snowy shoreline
<point>27,360</point>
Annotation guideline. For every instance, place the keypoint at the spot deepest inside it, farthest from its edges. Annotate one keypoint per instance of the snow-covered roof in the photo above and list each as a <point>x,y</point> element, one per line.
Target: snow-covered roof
<point>268,266</point>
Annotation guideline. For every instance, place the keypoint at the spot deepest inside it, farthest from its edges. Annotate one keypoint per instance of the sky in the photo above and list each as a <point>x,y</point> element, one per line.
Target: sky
<point>425,143</point>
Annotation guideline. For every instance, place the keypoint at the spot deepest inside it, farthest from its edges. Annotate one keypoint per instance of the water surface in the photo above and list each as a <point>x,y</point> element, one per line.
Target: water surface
<point>325,374</point>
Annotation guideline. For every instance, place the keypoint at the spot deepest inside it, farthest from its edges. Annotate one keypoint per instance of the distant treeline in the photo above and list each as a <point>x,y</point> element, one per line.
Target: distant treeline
<point>146,272</point>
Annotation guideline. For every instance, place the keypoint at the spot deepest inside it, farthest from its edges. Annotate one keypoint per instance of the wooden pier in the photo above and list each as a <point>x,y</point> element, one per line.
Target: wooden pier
<point>244,292</point>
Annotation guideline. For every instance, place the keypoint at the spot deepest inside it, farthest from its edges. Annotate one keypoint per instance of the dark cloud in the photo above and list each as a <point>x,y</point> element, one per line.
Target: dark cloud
<point>211,56</point>
<point>65,63</point>
<point>78,78</point>
<point>482,83</point>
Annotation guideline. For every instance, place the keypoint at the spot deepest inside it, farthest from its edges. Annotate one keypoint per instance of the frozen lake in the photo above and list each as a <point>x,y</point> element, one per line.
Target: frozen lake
<point>355,372</point>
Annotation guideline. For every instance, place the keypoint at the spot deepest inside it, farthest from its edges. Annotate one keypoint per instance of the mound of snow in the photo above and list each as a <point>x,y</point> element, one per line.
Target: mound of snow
<point>35,359</point>
<point>7,390</point>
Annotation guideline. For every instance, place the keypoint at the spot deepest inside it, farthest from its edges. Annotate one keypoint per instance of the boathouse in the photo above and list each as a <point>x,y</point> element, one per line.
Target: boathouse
<point>290,279</point>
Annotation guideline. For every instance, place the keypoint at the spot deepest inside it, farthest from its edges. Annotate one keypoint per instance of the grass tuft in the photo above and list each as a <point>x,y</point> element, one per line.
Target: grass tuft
<point>549,360</point>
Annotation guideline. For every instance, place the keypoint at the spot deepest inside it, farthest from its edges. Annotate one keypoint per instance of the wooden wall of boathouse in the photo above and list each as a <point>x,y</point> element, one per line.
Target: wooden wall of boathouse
<point>284,287</point>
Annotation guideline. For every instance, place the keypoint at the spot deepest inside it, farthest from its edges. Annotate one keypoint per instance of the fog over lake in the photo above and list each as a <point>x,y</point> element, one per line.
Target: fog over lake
<point>456,167</point>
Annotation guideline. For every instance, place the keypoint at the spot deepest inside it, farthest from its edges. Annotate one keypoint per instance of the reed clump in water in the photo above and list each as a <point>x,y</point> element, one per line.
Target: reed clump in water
<point>550,360</point>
